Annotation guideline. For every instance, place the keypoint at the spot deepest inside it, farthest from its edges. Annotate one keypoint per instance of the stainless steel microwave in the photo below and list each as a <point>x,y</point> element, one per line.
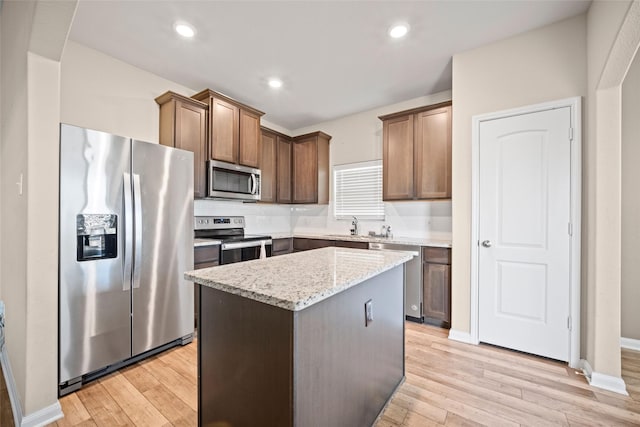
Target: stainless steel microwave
<point>230,181</point>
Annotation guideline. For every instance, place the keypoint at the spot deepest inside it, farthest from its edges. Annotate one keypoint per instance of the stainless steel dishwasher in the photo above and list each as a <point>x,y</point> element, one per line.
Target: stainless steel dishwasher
<point>412,278</point>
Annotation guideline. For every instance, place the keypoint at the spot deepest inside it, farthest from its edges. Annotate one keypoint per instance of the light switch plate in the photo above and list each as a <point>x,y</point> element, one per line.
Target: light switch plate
<point>368,312</point>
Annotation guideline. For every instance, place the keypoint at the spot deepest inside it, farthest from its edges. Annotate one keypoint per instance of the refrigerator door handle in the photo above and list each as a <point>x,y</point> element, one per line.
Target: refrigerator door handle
<point>137,206</point>
<point>128,228</point>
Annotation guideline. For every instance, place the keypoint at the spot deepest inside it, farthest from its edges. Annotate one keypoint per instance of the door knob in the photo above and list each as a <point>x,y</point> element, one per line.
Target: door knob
<point>486,243</point>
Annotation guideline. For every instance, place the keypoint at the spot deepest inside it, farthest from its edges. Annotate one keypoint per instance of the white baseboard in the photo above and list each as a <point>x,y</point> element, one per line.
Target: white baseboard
<point>630,343</point>
<point>604,381</point>
<point>42,417</point>
<point>460,336</point>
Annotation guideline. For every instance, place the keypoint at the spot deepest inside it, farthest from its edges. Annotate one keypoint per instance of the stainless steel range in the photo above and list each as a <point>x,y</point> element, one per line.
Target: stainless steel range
<point>236,246</point>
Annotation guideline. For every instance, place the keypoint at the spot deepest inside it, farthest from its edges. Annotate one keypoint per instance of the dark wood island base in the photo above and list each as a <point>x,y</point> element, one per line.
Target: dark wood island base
<point>324,365</point>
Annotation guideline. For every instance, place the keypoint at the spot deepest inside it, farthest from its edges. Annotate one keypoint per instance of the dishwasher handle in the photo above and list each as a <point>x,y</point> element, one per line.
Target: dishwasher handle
<point>388,247</point>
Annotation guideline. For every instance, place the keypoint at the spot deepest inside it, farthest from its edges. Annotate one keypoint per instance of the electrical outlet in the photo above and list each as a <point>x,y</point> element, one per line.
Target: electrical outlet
<point>368,312</point>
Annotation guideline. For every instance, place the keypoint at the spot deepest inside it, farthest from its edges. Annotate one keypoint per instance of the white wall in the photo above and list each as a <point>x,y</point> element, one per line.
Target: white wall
<point>631,202</point>
<point>610,47</point>
<point>33,34</point>
<point>17,18</point>
<point>541,65</point>
<point>103,93</point>
<point>358,138</point>
<point>100,92</point>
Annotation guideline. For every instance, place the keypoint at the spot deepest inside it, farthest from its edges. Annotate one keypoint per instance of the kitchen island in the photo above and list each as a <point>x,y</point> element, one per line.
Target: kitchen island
<point>286,341</point>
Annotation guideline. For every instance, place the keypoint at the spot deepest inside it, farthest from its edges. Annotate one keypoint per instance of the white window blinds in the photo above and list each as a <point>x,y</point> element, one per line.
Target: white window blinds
<point>358,190</point>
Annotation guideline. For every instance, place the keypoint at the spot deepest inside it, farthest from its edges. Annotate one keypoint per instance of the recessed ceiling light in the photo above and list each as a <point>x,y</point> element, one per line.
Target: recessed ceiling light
<point>275,83</point>
<point>398,31</point>
<point>185,30</point>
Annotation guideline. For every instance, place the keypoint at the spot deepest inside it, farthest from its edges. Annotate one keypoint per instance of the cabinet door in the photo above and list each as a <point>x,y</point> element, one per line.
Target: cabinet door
<point>283,166</point>
<point>190,135</point>
<point>305,171</point>
<point>224,131</point>
<point>268,167</point>
<point>282,246</point>
<point>436,281</point>
<point>433,154</point>
<point>397,158</point>
<point>249,154</point>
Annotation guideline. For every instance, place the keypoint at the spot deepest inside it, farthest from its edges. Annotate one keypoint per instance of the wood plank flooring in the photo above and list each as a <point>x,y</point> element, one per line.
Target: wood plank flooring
<point>447,383</point>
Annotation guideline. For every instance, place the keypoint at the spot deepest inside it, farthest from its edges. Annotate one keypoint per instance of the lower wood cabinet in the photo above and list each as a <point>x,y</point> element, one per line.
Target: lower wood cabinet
<point>302,244</point>
<point>436,284</point>
<point>282,246</point>
<point>203,257</point>
<point>350,244</point>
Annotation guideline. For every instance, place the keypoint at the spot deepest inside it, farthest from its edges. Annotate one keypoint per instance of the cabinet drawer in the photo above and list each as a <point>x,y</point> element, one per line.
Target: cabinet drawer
<point>206,254</point>
<point>350,244</point>
<point>200,265</point>
<point>308,244</point>
<point>282,245</point>
<point>436,255</point>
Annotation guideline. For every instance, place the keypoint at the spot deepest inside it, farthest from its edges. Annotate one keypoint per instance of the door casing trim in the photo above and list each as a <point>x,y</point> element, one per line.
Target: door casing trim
<point>575,105</point>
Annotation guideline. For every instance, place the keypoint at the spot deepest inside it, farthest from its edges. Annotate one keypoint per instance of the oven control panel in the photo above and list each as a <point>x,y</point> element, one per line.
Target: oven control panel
<point>218,222</point>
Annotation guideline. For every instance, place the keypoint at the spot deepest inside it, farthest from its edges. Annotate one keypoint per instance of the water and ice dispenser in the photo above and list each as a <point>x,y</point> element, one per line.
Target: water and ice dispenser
<point>97,236</point>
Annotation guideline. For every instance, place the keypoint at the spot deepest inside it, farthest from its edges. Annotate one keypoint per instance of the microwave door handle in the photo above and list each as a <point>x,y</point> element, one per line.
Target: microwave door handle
<point>254,183</point>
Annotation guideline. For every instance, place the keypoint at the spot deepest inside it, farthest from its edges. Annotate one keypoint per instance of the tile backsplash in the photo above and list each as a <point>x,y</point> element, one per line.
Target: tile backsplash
<point>427,219</point>
<point>416,219</point>
<point>259,217</point>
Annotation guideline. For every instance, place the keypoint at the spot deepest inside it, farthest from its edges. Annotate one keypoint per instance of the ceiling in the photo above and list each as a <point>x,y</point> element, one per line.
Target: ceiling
<point>334,57</point>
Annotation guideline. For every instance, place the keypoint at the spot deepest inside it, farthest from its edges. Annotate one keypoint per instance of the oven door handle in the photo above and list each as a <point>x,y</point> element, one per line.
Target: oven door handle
<point>242,245</point>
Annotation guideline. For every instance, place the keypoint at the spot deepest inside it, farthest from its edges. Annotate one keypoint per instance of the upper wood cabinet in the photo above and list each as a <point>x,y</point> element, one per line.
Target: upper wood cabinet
<point>275,165</point>
<point>417,153</point>
<point>311,168</point>
<point>397,155</point>
<point>249,150</point>
<point>268,166</point>
<point>432,139</point>
<point>234,131</point>
<point>283,169</point>
<point>183,124</point>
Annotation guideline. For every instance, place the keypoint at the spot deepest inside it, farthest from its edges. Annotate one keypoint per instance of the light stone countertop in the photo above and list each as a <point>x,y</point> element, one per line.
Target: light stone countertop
<point>298,280</point>
<point>419,241</point>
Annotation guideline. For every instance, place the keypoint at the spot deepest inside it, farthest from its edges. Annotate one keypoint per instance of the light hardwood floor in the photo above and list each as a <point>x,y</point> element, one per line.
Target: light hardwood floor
<point>447,383</point>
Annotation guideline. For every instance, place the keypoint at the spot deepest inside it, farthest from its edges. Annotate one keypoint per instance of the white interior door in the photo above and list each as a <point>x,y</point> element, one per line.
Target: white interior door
<point>524,236</point>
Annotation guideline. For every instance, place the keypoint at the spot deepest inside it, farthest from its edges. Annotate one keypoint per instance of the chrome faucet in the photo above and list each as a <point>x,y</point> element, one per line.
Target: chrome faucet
<point>354,226</point>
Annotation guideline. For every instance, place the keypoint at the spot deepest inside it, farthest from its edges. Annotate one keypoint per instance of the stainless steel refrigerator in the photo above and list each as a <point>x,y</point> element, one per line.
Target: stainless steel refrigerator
<point>126,238</point>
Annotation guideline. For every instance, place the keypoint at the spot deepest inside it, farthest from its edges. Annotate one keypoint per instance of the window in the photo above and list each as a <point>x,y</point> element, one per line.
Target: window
<point>357,189</point>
